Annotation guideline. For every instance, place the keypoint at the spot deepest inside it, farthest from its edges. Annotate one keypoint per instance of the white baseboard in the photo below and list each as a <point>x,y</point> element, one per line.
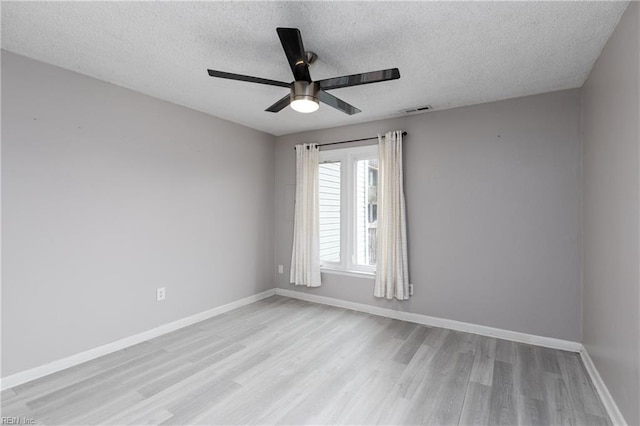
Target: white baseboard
<point>549,342</point>
<point>603,391</point>
<point>70,361</point>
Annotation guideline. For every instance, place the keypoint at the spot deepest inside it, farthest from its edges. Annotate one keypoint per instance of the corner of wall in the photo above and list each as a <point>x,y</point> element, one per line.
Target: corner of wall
<point>580,214</point>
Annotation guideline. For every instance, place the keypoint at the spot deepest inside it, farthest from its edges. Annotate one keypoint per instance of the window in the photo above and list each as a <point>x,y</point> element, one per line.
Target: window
<point>348,181</point>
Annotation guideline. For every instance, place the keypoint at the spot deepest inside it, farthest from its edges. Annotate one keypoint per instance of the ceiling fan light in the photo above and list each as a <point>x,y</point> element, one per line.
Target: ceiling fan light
<point>304,96</point>
<point>305,105</point>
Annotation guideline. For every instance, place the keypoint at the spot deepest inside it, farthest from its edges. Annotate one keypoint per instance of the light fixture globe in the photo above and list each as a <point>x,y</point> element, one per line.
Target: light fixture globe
<point>304,97</point>
<point>305,105</point>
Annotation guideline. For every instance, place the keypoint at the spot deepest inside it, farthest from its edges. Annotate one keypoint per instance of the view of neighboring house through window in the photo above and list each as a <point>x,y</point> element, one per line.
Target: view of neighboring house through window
<point>366,211</point>
<point>348,183</point>
<point>329,178</point>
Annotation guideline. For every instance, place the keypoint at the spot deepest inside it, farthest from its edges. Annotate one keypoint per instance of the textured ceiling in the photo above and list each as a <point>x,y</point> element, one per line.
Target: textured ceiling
<point>449,53</point>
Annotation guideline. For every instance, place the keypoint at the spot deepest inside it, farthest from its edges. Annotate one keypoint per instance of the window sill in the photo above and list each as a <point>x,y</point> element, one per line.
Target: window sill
<point>358,274</point>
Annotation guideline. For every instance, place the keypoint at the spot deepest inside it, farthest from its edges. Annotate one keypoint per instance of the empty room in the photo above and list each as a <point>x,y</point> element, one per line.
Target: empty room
<point>288,213</point>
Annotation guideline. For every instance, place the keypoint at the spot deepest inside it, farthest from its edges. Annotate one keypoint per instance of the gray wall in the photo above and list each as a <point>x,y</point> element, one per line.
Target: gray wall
<point>108,194</point>
<point>493,206</point>
<point>611,215</point>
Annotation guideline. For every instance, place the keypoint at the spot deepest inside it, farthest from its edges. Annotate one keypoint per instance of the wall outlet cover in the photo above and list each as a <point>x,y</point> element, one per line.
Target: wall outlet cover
<point>160,294</point>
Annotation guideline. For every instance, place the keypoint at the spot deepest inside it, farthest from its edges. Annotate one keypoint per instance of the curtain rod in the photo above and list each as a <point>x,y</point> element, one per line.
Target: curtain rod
<point>353,140</point>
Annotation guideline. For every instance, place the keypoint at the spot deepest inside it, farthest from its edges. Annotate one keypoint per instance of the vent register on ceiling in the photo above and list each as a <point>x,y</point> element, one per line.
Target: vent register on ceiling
<point>305,94</point>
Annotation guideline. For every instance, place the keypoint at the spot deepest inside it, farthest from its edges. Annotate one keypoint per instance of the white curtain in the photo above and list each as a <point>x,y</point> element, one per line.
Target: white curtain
<point>392,270</point>
<point>305,256</point>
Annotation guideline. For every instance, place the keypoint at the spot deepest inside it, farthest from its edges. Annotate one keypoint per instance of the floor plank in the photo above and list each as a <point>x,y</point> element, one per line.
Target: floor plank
<point>475,410</point>
<point>503,405</point>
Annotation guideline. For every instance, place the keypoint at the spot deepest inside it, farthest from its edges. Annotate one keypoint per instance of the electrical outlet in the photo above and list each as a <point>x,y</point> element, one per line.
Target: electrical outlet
<point>410,289</point>
<point>160,294</point>
<point>280,269</point>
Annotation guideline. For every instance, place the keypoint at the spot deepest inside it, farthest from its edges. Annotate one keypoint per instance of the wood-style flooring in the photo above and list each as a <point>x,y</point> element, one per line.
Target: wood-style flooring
<point>285,361</point>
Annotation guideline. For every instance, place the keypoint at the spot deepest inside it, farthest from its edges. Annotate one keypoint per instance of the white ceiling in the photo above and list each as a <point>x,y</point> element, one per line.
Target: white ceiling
<point>449,53</point>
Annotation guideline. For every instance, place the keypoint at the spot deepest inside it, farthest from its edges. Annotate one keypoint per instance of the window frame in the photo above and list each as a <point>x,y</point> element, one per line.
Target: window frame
<point>348,158</point>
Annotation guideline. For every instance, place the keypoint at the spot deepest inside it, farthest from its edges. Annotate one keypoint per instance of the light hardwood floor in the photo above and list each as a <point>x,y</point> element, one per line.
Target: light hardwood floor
<point>285,361</point>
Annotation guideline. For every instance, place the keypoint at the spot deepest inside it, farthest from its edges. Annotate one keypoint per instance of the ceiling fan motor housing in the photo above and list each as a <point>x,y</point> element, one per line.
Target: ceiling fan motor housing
<point>303,90</point>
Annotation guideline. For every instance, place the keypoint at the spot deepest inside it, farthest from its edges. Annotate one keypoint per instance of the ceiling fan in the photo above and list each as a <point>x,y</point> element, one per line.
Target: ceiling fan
<point>306,94</point>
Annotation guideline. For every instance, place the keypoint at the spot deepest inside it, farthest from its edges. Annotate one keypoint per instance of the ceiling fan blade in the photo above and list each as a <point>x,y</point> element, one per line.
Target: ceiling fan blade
<point>338,104</point>
<point>280,105</point>
<point>240,77</point>
<point>358,79</point>
<point>292,44</point>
